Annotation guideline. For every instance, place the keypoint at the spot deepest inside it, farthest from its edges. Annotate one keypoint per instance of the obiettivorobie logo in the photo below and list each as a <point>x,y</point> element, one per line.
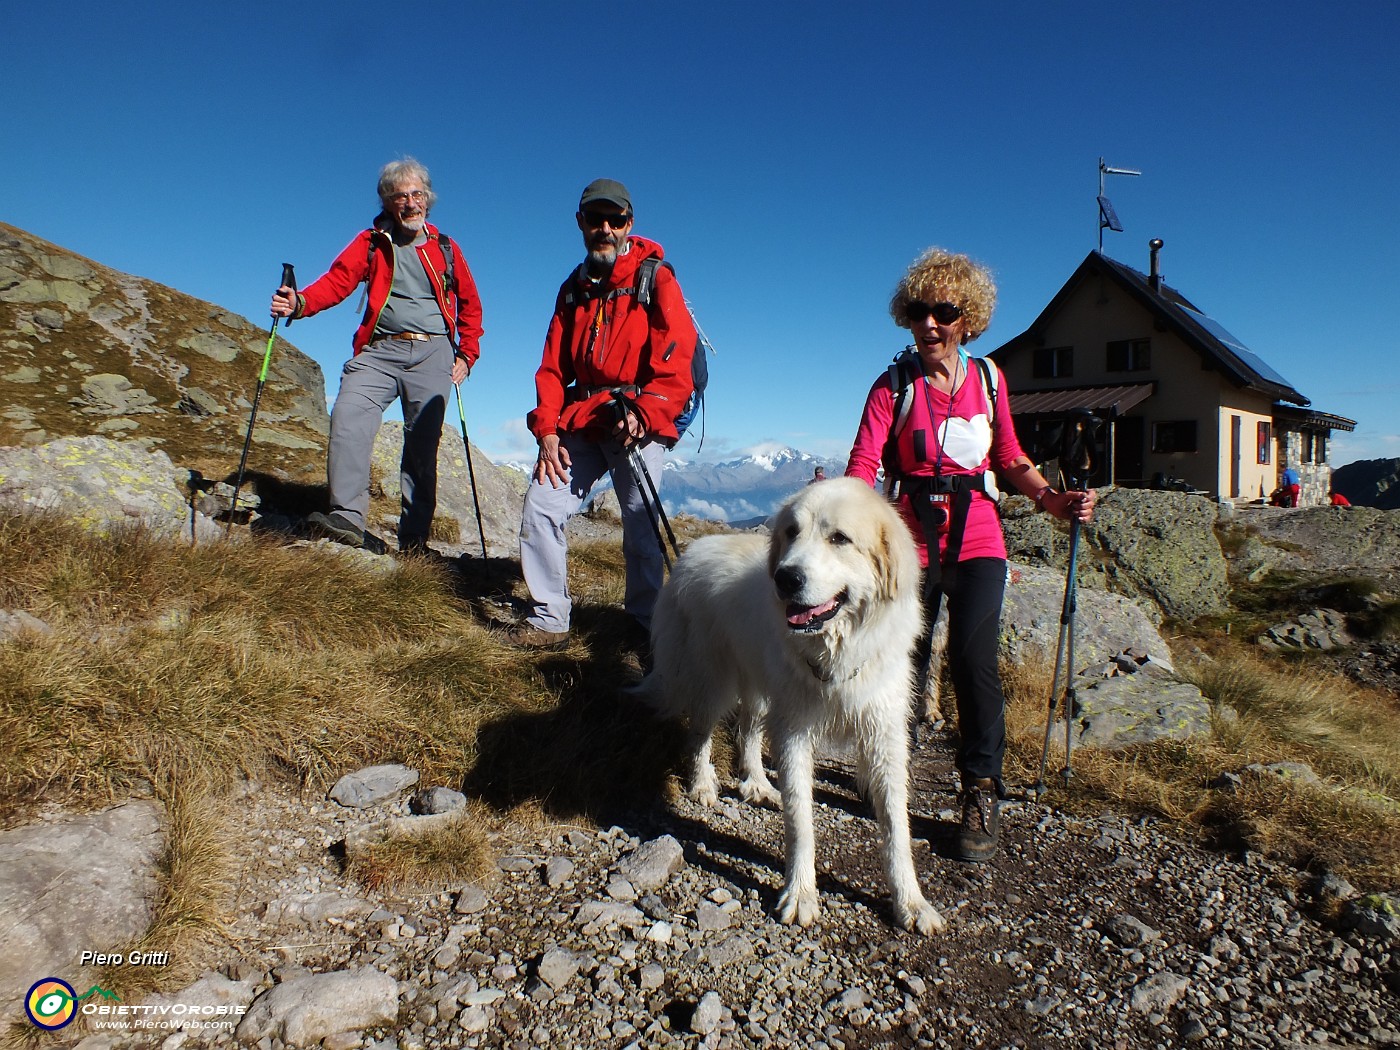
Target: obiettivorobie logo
<point>52,1003</point>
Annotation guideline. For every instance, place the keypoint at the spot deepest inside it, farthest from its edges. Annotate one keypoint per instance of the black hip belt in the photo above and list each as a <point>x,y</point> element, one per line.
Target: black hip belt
<point>582,392</point>
<point>942,485</point>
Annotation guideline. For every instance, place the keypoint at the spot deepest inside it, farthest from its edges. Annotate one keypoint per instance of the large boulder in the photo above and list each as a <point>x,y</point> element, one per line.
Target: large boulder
<point>1334,541</point>
<point>76,883</point>
<point>102,484</point>
<point>1105,624</point>
<point>1160,546</point>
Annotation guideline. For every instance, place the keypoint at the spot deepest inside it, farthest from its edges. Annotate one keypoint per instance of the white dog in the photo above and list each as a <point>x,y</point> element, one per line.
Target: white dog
<point>810,633</point>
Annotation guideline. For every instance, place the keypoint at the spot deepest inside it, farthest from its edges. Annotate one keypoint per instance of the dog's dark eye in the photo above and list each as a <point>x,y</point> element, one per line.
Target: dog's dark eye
<point>839,539</point>
<point>791,532</point>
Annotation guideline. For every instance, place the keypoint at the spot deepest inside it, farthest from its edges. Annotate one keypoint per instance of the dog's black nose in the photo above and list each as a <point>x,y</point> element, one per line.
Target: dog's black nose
<point>789,580</point>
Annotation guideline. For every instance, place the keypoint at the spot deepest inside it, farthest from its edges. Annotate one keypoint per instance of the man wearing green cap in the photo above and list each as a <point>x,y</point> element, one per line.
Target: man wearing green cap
<point>614,377</point>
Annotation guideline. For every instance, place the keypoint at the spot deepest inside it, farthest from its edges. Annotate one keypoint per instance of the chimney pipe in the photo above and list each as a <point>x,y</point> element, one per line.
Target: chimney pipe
<point>1154,277</point>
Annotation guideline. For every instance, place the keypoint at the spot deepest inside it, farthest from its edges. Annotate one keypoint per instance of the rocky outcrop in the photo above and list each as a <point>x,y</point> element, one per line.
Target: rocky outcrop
<point>1160,546</point>
<point>103,484</point>
<point>83,882</point>
<point>1333,541</point>
<point>87,350</point>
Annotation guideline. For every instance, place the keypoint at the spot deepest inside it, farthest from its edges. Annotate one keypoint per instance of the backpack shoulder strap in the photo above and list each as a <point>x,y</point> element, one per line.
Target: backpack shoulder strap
<point>449,277</point>
<point>644,288</point>
<point>904,372</point>
<point>991,383</point>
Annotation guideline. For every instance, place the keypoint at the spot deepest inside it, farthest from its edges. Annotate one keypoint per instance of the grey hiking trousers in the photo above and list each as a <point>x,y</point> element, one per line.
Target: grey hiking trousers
<point>544,548</point>
<point>418,373</point>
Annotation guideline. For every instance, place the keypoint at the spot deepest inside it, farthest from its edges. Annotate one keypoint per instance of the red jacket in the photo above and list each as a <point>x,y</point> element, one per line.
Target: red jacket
<point>353,267</point>
<point>596,341</point>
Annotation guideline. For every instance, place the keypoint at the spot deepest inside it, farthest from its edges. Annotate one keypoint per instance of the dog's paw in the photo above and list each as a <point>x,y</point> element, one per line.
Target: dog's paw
<point>798,906</point>
<point>920,916</point>
<point>704,788</point>
<point>760,793</point>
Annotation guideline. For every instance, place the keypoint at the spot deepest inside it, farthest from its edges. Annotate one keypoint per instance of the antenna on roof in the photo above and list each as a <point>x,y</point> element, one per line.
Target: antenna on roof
<point>1108,218</point>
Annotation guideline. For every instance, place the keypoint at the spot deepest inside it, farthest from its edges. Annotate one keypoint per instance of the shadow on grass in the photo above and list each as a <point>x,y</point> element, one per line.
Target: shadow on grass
<point>599,754</point>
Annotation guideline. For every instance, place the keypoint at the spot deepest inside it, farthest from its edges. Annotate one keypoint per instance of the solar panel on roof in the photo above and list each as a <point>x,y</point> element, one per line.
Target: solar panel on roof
<point>1243,352</point>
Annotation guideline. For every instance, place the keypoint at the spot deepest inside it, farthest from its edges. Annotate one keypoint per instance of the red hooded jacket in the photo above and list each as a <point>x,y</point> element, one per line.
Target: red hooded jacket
<point>600,337</point>
<point>370,257</point>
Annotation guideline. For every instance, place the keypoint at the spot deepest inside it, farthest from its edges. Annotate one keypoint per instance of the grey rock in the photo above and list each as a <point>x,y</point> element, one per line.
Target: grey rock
<point>306,1010</point>
<point>1159,992</point>
<point>1136,709</point>
<point>1159,546</point>
<point>557,871</point>
<point>212,997</point>
<point>1131,932</point>
<point>1321,630</point>
<point>710,917</point>
<point>17,622</point>
<point>557,967</point>
<point>652,864</point>
<point>470,900</point>
<point>602,914</point>
<point>1374,915</point>
<point>709,1012</point>
<point>373,784</point>
<point>437,800</point>
<point>72,883</point>
<point>311,908</point>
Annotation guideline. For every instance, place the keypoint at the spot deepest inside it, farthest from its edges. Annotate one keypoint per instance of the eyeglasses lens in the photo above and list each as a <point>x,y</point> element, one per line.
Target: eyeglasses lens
<point>943,313</point>
<point>596,219</point>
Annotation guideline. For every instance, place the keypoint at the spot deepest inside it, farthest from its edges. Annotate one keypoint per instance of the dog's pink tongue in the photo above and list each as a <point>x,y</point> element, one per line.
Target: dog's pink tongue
<point>797,615</point>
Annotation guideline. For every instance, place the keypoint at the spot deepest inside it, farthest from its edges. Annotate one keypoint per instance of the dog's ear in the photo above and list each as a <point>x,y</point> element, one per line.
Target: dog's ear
<point>777,539</point>
<point>897,557</point>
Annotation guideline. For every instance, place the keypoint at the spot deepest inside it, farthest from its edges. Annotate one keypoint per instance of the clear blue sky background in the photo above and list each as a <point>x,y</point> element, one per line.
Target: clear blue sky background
<point>792,158</point>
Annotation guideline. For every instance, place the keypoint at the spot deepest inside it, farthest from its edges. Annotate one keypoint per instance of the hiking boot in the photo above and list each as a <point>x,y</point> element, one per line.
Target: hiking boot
<point>980,827</point>
<point>529,637</point>
<point>336,527</point>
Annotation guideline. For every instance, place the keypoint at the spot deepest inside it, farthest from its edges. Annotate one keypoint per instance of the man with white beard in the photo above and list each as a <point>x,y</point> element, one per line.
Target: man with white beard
<point>614,376</point>
<point>419,337</point>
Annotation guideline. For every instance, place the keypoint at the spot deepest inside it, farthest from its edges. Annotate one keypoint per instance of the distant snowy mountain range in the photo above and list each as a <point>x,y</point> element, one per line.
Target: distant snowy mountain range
<point>740,491</point>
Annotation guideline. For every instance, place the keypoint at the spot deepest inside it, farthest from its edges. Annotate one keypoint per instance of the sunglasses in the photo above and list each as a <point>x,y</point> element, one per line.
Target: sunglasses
<point>944,313</point>
<point>596,219</point>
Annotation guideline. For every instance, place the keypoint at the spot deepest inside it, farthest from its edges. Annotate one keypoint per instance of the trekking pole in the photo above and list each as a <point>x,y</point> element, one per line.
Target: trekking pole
<point>289,280</point>
<point>640,473</point>
<point>1078,451</point>
<point>1067,610</point>
<point>471,471</point>
<point>633,461</point>
<point>640,466</point>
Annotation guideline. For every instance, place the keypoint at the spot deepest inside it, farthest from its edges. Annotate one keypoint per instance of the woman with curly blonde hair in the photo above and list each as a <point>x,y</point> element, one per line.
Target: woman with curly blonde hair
<point>940,425</point>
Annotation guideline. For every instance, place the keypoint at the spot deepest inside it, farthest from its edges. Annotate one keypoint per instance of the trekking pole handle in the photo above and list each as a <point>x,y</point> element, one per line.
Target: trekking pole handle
<point>289,280</point>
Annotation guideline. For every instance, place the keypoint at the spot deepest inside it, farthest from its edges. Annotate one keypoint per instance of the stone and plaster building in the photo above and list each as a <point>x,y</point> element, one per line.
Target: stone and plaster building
<point>1184,402</point>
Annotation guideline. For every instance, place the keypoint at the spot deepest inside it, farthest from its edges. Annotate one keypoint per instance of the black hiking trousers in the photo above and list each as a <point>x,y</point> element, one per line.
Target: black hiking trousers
<point>973,606</point>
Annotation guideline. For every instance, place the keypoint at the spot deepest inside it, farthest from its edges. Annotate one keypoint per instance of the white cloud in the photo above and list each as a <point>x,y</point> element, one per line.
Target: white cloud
<point>700,508</point>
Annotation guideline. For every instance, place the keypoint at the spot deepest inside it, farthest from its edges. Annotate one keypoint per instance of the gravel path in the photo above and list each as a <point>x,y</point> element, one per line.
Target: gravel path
<point>1107,933</point>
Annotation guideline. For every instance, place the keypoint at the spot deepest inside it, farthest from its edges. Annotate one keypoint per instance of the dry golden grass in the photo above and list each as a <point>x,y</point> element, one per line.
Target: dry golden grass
<point>452,851</point>
<point>1349,736</point>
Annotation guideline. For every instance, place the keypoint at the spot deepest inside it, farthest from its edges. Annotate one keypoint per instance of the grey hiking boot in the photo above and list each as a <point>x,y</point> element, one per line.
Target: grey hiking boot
<point>980,827</point>
<point>529,637</point>
<point>336,527</point>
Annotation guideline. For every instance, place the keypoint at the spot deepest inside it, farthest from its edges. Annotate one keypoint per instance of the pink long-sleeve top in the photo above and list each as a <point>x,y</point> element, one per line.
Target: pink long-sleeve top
<point>958,437</point>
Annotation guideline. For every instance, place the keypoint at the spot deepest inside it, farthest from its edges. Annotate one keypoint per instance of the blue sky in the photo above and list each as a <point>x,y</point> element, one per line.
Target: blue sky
<point>792,159</point>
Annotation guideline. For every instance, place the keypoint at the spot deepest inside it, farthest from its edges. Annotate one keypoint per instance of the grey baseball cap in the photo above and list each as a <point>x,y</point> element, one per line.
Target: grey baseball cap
<point>609,190</point>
